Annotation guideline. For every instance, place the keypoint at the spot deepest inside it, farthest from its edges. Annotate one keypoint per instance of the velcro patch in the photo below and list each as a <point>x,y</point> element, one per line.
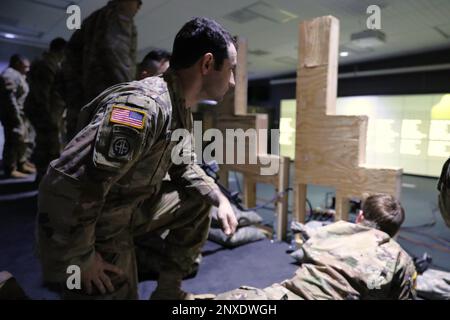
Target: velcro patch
<point>128,116</point>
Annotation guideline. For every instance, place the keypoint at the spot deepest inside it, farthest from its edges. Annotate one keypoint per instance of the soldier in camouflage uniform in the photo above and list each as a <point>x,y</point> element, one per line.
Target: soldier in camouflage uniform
<point>444,192</point>
<point>100,54</point>
<point>351,261</point>
<point>44,105</point>
<point>13,92</point>
<point>107,193</point>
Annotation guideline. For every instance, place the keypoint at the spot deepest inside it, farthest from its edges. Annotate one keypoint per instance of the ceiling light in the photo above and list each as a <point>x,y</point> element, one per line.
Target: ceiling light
<point>272,13</point>
<point>368,39</point>
<point>287,60</point>
<point>10,36</point>
<point>344,54</point>
<point>209,102</point>
<point>258,52</point>
<point>260,9</point>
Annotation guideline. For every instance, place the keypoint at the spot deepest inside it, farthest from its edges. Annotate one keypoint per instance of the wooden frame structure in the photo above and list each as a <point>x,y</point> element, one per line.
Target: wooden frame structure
<point>330,149</point>
<point>232,114</point>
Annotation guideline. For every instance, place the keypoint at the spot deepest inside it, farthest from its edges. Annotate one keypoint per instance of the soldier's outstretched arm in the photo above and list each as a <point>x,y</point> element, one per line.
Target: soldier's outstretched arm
<point>192,178</point>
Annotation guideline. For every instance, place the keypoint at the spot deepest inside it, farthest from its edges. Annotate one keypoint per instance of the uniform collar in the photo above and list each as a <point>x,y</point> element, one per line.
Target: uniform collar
<point>178,100</point>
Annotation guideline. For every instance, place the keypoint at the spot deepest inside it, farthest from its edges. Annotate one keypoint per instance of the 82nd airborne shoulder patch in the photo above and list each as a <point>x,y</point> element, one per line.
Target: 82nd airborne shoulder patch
<point>128,116</point>
<point>121,146</point>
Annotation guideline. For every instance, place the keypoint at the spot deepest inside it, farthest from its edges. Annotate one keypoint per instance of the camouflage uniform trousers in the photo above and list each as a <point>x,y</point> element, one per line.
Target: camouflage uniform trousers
<point>47,148</point>
<point>14,149</point>
<point>274,292</point>
<point>30,138</point>
<point>187,218</point>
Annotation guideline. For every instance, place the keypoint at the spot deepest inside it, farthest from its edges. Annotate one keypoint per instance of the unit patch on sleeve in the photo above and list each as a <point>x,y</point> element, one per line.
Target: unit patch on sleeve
<point>121,146</point>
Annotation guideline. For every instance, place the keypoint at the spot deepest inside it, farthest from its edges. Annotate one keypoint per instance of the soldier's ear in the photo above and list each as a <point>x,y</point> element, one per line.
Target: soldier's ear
<point>360,217</point>
<point>207,63</point>
<point>144,74</point>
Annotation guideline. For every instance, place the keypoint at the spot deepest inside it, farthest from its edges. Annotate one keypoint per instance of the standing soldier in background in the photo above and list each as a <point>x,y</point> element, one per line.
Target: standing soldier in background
<point>44,105</point>
<point>101,54</point>
<point>13,92</point>
<point>156,62</point>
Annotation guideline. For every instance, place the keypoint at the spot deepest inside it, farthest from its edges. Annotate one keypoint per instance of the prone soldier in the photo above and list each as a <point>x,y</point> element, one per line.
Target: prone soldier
<point>348,261</point>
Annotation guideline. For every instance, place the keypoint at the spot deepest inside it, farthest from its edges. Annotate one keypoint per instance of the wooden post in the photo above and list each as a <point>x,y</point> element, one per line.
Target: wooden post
<point>232,114</point>
<point>299,213</point>
<point>240,97</point>
<point>249,191</point>
<point>282,203</point>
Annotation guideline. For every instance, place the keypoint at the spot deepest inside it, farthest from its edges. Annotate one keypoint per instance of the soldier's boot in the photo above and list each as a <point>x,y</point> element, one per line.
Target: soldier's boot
<point>15,174</point>
<point>9,288</point>
<point>31,164</point>
<point>27,167</point>
<point>169,288</point>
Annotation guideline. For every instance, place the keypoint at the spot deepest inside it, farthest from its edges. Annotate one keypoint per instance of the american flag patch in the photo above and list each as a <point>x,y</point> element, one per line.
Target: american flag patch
<point>130,117</point>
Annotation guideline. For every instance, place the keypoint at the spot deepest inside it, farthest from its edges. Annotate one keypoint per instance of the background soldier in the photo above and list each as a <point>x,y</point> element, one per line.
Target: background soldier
<point>106,194</point>
<point>13,92</point>
<point>102,53</point>
<point>347,260</point>
<point>44,105</point>
<point>156,62</point>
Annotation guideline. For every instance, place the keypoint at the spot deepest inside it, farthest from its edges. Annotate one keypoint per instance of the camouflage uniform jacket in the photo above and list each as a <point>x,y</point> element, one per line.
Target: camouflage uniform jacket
<point>14,90</point>
<point>119,158</point>
<point>44,105</point>
<point>101,54</point>
<point>352,261</point>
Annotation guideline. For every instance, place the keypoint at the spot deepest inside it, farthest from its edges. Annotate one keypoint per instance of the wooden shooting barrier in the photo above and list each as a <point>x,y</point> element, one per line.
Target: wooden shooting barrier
<point>232,114</point>
<point>330,149</point>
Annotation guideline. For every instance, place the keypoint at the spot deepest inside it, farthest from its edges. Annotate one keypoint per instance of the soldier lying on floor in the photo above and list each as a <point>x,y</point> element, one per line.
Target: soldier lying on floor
<point>349,261</point>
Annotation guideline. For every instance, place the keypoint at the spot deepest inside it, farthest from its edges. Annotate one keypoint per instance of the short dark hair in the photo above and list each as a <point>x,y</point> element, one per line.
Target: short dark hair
<point>385,211</point>
<point>157,55</point>
<point>16,60</point>
<point>58,45</point>
<point>154,55</point>
<point>197,37</point>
